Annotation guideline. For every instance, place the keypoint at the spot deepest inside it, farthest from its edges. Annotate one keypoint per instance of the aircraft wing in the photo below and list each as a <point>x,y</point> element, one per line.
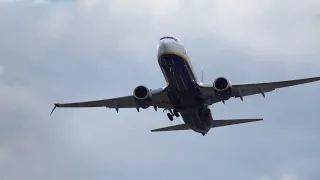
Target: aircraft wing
<point>242,90</point>
<point>159,99</point>
<point>215,123</point>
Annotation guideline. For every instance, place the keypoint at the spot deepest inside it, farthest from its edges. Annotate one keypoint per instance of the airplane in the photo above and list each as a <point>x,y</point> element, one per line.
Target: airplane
<point>184,95</point>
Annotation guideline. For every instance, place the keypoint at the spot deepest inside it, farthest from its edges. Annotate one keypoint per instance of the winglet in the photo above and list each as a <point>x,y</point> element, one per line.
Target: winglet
<point>55,106</point>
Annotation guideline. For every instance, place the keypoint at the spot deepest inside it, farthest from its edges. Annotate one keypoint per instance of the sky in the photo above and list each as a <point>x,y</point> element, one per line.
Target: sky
<point>66,51</point>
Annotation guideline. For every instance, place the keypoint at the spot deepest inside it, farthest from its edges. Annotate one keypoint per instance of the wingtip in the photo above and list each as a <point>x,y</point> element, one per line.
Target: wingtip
<point>154,130</point>
<point>55,106</point>
<point>259,119</point>
<point>255,119</point>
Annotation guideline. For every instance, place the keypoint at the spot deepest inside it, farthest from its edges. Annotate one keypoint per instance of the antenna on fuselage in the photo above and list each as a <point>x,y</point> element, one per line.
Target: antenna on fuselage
<point>202,76</point>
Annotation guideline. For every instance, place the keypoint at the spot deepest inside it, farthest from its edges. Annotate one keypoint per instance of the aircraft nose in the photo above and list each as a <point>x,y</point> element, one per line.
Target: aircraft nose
<point>164,46</point>
<point>170,45</point>
<point>167,45</point>
<point>168,39</point>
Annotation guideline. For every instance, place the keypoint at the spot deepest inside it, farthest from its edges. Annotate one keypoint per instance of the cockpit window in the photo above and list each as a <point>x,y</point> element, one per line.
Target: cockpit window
<point>169,37</point>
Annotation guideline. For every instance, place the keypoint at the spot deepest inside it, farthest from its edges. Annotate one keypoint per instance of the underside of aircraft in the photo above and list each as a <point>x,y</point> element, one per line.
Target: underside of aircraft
<point>184,95</point>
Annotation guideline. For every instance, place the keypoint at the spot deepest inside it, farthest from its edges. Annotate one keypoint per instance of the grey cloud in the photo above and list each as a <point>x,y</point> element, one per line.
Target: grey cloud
<point>70,52</point>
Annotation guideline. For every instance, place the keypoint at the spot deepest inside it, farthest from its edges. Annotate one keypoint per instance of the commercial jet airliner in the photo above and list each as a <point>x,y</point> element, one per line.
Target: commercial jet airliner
<point>184,95</point>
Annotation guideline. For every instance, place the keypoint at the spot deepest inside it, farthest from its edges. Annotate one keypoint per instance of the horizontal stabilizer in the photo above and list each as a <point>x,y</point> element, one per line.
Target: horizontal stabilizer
<point>215,123</point>
<point>173,128</point>
<point>227,122</point>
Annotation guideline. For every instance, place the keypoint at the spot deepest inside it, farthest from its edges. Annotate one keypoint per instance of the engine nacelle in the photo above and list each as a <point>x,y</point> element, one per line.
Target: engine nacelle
<point>142,97</point>
<point>222,87</point>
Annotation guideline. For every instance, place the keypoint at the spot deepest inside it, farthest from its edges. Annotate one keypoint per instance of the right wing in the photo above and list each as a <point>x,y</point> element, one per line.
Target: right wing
<point>159,100</point>
<point>215,123</point>
<point>242,90</point>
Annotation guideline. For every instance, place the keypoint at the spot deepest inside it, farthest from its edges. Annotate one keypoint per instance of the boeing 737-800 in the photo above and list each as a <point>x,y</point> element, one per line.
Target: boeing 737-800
<point>184,95</point>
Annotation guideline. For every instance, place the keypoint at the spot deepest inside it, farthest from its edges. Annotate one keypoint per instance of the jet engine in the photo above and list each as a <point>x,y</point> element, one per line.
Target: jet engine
<point>142,97</point>
<point>222,87</point>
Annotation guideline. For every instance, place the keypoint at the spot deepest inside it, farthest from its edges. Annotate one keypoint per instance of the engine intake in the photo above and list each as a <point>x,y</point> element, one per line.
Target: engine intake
<point>142,97</point>
<point>222,87</point>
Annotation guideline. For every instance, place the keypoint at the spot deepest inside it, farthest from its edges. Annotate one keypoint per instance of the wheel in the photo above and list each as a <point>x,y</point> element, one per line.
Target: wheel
<point>203,134</point>
<point>175,112</point>
<point>170,116</point>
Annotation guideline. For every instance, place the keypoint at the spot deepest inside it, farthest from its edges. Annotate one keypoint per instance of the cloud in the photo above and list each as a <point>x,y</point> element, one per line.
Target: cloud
<point>283,177</point>
<point>64,52</point>
<point>267,27</point>
<point>1,69</point>
<point>297,169</point>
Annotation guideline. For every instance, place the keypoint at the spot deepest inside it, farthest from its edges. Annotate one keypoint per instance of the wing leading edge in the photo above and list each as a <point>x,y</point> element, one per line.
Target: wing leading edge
<point>215,123</point>
<point>241,90</point>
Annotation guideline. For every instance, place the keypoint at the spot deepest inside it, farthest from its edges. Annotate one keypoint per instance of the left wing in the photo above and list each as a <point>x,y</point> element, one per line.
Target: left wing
<point>242,90</point>
<point>159,100</point>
